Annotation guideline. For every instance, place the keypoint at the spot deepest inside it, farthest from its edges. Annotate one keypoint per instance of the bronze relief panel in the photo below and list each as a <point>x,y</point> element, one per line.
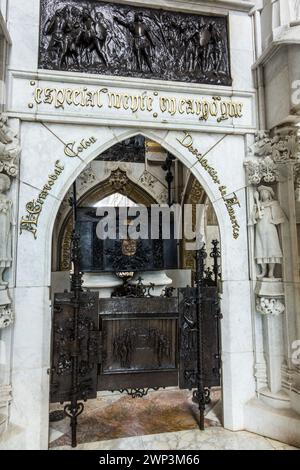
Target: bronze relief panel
<point>112,39</point>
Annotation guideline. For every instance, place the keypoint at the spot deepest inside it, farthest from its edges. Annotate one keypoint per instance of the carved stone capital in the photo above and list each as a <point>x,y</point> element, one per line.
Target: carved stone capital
<point>270,306</point>
<point>262,170</point>
<point>9,149</point>
<point>6,316</point>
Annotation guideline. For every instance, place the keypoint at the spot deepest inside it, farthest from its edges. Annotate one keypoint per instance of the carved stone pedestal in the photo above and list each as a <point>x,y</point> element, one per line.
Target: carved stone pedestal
<point>270,304</point>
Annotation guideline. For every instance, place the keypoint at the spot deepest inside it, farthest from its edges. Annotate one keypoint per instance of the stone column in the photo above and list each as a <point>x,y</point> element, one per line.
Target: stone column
<point>9,153</point>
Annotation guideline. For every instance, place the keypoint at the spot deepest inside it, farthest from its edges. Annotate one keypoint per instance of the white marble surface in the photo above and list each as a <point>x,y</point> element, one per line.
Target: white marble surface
<point>234,252</point>
<point>32,328</point>
<point>237,336</point>
<point>23,26</point>
<point>279,424</point>
<point>211,439</point>
<point>238,387</point>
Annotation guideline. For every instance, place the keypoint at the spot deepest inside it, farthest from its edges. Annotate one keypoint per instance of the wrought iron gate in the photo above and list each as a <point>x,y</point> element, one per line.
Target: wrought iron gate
<point>199,326</point>
<point>136,342</point>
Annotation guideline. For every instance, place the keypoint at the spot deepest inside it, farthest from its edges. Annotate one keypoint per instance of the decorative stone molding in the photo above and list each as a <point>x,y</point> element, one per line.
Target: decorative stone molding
<point>282,147</point>
<point>118,180</point>
<point>5,399</point>
<point>6,312</point>
<point>114,166</point>
<point>6,316</point>
<point>267,153</point>
<point>264,170</point>
<point>162,198</point>
<point>9,149</point>
<point>87,178</point>
<point>269,306</point>
<point>260,373</point>
<point>270,297</point>
<point>147,179</point>
<point>9,167</point>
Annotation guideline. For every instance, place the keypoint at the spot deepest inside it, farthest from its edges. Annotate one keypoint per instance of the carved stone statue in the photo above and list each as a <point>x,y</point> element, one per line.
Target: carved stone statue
<point>6,222</point>
<point>267,213</point>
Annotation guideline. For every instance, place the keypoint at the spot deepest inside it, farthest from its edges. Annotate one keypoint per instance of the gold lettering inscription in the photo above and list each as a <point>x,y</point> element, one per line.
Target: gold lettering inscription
<point>216,108</point>
<point>72,150</point>
<point>35,207</point>
<point>188,142</point>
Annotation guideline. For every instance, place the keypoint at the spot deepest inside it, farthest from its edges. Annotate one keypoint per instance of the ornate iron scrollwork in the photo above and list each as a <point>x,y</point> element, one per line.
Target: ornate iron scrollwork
<point>138,290</point>
<point>113,39</point>
<point>200,331</point>
<point>76,341</point>
<point>137,392</point>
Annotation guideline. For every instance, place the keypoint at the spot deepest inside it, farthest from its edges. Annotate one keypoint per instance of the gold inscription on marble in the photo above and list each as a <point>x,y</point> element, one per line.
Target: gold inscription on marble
<point>60,97</point>
<point>187,141</point>
<point>203,109</point>
<point>132,102</point>
<point>216,107</point>
<point>73,150</point>
<point>35,207</point>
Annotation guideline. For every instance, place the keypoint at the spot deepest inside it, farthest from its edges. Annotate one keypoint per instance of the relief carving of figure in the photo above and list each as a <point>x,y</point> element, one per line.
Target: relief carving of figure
<point>142,41</point>
<point>214,50</point>
<point>267,214</point>
<point>6,223</point>
<point>56,28</point>
<point>101,37</point>
<point>93,36</point>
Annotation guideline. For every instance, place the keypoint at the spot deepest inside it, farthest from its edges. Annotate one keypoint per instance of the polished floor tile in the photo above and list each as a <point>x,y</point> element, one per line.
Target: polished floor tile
<point>116,416</point>
<point>163,420</point>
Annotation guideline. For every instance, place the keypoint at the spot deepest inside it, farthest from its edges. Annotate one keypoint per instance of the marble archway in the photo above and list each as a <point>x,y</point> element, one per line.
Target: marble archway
<point>30,378</point>
<point>118,180</point>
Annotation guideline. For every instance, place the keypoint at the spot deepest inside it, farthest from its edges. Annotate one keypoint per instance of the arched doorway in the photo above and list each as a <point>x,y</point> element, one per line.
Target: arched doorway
<point>139,352</point>
<point>33,273</point>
